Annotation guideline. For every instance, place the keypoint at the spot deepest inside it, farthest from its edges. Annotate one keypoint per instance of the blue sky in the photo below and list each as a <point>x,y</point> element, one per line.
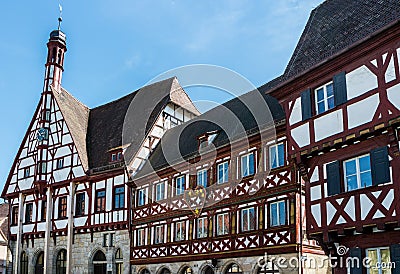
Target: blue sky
<point>115,47</point>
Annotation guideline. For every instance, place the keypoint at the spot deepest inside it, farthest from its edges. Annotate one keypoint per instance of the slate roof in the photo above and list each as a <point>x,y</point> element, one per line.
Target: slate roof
<point>106,122</point>
<point>225,119</point>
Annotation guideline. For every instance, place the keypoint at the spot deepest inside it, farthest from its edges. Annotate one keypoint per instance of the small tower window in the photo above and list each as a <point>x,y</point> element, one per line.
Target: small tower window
<point>53,55</point>
<point>59,57</point>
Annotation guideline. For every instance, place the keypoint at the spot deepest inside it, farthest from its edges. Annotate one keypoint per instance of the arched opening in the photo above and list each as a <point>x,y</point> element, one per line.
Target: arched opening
<point>208,270</point>
<point>119,261</point>
<point>39,263</point>
<point>187,270</point>
<point>234,269</point>
<point>99,263</point>
<point>24,263</point>
<point>144,271</point>
<point>268,269</point>
<point>164,270</point>
<point>61,262</point>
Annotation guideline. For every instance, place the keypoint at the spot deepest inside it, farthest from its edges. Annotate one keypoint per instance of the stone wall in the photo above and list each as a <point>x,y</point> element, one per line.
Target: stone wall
<point>83,250</point>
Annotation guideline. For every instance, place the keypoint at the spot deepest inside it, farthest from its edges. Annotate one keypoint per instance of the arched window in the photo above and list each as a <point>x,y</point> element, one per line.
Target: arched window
<point>187,270</point>
<point>99,263</point>
<point>39,263</point>
<point>24,263</point>
<point>61,262</point>
<point>144,271</point>
<point>119,261</point>
<point>234,268</point>
<point>208,270</point>
<point>59,57</point>
<point>165,271</point>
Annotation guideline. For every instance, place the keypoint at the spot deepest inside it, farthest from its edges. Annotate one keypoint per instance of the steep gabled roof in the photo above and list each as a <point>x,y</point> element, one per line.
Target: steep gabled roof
<point>106,122</point>
<point>221,120</point>
<point>76,116</point>
<point>337,24</point>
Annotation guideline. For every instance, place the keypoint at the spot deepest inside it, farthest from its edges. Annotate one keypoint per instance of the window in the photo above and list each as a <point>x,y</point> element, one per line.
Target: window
<point>357,172</point>
<point>80,204</point>
<point>119,197</point>
<point>247,164</point>
<point>159,234</point>
<point>44,210</point>
<point>324,98</point>
<point>24,263</point>
<point>141,196</point>
<point>141,237</point>
<point>180,231</point>
<point>116,156</point>
<point>61,262</point>
<point>160,191</point>
<point>111,240</point>
<point>14,216</point>
<point>105,238</point>
<point>234,268</point>
<point>27,172</point>
<point>119,156</point>
<point>119,261</point>
<point>180,185</point>
<point>100,200</point>
<point>202,227</point>
<point>28,213</point>
<point>278,213</point>
<point>113,157</point>
<point>202,178</point>
<point>42,168</point>
<point>248,219</point>
<point>222,224</point>
<point>277,155</point>
<point>380,260</point>
<point>62,207</point>
<point>60,163</point>
<point>47,115</point>
<point>223,172</point>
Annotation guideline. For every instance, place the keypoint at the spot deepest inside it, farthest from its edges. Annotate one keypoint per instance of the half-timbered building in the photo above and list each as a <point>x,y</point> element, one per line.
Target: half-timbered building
<point>69,205</point>
<point>215,199</point>
<point>341,95</point>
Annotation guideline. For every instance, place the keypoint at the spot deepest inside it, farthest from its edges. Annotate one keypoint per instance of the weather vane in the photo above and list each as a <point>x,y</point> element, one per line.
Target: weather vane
<point>60,18</point>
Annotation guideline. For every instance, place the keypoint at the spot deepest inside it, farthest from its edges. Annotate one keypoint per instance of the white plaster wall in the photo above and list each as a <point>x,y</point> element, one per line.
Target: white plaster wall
<point>394,95</point>
<point>301,135</point>
<point>296,115</point>
<point>328,125</point>
<point>363,111</point>
<point>360,81</point>
<point>390,73</point>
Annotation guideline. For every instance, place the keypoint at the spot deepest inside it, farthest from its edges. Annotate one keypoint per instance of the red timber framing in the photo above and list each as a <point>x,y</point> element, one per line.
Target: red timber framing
<point>257,191</point>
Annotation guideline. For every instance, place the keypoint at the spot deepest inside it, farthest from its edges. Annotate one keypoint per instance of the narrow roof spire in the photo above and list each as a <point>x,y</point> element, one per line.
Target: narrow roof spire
<point>60,18</point>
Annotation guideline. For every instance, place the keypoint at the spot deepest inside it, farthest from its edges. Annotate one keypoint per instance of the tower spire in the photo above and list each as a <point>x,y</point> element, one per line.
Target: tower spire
<point>60,17</point>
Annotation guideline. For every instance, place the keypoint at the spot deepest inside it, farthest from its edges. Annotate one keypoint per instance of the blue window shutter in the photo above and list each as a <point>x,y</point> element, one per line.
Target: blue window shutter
<point>395,258</point>
<point>339,88</point>
<point>356,253</point>
<point>306,104</point>
<point>380,165</point>
<point>333,174</point>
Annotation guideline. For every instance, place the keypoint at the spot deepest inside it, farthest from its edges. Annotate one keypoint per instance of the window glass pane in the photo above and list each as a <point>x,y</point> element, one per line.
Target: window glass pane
<point>245,170</point>
<point>366,179</point>
<point>365,163</point>
<point>373,256</point>
<point>274,215</point>
<point>351,167</point>
<point>351,182</point>
<point>329,90</point>
<point>281,154</point>
<point>331,102</point>
<point>321,107</point>
<point>251,164</point>
<point>272,157</point>
<point>282,213</point>
<point>320,94</point>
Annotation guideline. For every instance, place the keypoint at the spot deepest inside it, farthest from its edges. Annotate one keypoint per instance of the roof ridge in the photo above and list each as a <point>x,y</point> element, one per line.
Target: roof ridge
<point>73,97</point>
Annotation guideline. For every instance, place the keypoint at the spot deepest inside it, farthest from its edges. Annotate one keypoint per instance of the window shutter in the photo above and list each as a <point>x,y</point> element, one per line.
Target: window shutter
<point>395,258</point>
<point>380,165</point>
<point>306,104</point>
<point>339,88</point>
<point>357,267</point>
<point>333,174</point>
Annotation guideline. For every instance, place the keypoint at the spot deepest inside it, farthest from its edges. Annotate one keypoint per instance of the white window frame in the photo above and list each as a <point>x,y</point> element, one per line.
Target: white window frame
<point>358,171</point>
<point>277,212</point>
<point>325,99</point>
<point>141,239</point>
<point>144,193</point>
<point>248,228</point>
<point>159,193</point>
<point>202,177</point>
<point>181,235</point>
<point>379,258</point>
<point>179,191</point>
<point>225,176</point>
<point>202,230</point>
<point>222,215</point>
<point>159,230</point>
<point>247,156</point>
<point>60,163</point>
<point>274,149</point>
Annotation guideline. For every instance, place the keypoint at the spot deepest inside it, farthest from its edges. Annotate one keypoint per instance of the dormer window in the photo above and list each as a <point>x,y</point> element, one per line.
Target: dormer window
<point>206,139</point>
<point>116,156</point>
